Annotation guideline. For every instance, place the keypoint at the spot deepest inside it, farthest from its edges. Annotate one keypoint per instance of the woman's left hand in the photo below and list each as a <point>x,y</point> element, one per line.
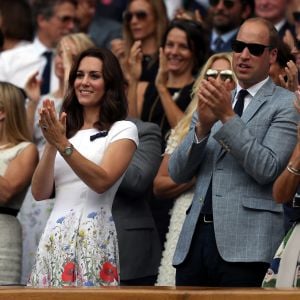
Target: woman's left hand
<point>54,129</point>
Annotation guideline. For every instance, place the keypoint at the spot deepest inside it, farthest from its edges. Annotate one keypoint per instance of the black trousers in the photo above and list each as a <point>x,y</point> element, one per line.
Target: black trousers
<point>204,266</point>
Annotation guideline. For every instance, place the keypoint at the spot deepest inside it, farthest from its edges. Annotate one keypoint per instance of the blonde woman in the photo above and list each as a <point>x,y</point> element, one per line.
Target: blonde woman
<point>18,159</point>
<point>34,215</point>
<point>218,66</point>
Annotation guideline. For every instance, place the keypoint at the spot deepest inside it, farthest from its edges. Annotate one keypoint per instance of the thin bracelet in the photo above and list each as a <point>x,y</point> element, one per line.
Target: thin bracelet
<point>293,170</point>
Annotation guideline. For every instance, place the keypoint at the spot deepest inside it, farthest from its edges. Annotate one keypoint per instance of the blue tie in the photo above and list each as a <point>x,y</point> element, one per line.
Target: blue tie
<point>219,44</point>
<point>46,73</point>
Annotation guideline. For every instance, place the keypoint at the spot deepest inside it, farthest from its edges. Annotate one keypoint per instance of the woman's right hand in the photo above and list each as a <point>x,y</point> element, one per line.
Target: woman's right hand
<point>135,61</point>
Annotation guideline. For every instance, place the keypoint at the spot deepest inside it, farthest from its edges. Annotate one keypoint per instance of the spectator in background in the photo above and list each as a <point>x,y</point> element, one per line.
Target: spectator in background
<point>183,52</point>
<point>16,23</point>
<point>275,11</point>
<point>53,19</point>
<point>218,66</point>
<point>138,239</point>
<point>33,214</point>
<point>224,19</point>
<point>18,159</point>
<point>144,21</point>
<point>102,30</point>
<point>112,9</point>
<point>284,71</point>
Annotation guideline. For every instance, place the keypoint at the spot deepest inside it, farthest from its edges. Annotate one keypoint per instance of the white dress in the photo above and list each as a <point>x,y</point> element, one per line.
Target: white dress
<point>79,244</point>
<point>34,214</point>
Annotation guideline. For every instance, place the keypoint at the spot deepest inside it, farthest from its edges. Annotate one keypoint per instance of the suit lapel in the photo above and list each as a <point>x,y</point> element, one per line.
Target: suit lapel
<point>259,99</point>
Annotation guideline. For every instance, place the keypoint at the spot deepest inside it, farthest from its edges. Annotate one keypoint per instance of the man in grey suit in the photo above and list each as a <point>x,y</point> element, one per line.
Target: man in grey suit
<point>236,148</point>
<point>139,243</point>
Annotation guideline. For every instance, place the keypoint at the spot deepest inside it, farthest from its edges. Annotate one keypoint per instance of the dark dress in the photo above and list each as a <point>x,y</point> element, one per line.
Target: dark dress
<point>153,110</point>
<point>150,66</point>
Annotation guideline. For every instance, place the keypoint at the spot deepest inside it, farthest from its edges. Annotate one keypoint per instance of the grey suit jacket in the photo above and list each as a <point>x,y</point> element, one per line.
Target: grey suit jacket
<point>139,244</point>
<point>243,157</point>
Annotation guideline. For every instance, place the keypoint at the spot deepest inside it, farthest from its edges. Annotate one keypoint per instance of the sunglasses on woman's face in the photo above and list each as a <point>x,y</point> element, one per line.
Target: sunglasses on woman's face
<point>140,15</point>
<point>254,49</point>
<point>227,3</point>
<point>224,74</point>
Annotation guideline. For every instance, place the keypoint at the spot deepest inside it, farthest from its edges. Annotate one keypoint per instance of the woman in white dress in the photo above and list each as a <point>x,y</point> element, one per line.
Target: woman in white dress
<point>18,159</point>
<point>33,214</point>
<point>87,152</point>
<point>217,66</point>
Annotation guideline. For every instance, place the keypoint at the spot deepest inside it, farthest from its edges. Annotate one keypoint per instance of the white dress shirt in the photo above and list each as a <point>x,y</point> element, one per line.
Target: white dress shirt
<point>17,64</point>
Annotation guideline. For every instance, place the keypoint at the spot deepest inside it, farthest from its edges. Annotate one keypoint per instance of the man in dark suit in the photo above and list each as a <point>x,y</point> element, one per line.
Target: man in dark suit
<point>236,148</point>
<point>139,244</point>
<point>226,17</point>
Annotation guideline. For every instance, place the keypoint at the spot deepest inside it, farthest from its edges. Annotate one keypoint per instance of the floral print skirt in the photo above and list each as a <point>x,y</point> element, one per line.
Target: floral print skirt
<point>77,250</point>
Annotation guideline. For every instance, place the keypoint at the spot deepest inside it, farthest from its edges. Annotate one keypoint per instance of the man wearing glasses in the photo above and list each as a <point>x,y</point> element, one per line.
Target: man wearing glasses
<point>53,19</point>
<point>237,146</point>
<point>226,18</point>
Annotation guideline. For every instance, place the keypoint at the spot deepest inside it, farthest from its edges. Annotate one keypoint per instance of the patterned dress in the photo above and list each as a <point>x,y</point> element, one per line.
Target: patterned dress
<point>79,244</point>
<point>284,270</point>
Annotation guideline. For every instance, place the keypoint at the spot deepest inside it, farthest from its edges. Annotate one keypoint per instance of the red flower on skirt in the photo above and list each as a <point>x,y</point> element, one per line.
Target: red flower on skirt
<point>68,274</point>
<point>108,273</point>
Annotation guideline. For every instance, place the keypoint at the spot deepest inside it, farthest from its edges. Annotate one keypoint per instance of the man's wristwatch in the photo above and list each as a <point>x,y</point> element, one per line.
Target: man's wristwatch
<point>67,151</point>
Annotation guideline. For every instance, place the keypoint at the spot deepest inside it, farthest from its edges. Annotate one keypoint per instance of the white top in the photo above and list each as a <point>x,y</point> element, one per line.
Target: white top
<point>17,64</point>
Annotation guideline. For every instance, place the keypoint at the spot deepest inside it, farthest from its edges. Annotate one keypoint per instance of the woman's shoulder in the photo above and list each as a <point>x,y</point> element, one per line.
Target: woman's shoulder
<point>124,129</point>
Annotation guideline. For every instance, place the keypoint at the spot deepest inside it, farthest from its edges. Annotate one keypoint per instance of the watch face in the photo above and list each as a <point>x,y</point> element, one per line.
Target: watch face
<point>68,151</point>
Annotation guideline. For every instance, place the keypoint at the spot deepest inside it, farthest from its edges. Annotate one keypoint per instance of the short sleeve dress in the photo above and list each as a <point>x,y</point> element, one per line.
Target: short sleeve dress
<point>79,244</point>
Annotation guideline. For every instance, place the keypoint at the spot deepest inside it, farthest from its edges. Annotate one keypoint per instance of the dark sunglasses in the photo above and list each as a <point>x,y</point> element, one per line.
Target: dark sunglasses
<point>224,74</point>
<point>254,49</point>
<point>296,15</point>
<point>227,3</point>
<point>140,15</point>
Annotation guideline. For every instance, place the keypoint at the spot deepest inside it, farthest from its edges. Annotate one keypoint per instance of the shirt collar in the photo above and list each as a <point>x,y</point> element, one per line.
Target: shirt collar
<point>254,88</point>
<point>39,46</point>
<point>225,37</point>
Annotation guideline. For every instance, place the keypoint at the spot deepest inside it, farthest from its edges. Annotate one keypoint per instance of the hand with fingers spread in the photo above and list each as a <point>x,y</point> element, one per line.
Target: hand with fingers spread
<point>54,129</point>
<point>291,83</point>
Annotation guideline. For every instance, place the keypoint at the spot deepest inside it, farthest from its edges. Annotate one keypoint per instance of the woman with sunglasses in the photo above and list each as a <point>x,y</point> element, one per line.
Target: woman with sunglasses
<point>183,52</point>
<point>180,195</point>
<point>144,21</point>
